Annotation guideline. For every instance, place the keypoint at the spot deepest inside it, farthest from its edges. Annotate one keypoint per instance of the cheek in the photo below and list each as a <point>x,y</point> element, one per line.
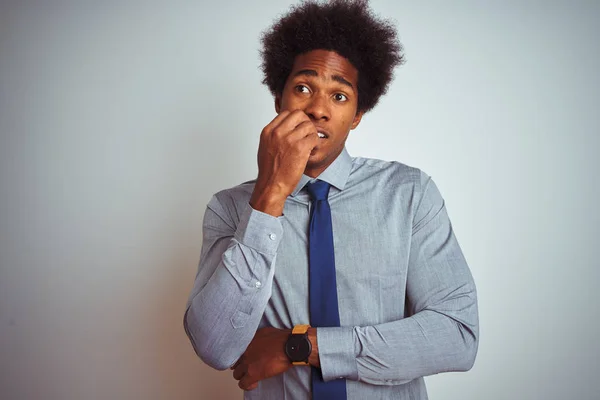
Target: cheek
<point>289,103</point>
<point>346,122</point>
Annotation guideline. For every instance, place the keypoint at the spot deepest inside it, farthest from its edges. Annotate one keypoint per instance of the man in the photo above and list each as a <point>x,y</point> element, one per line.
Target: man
<point>347,265</point>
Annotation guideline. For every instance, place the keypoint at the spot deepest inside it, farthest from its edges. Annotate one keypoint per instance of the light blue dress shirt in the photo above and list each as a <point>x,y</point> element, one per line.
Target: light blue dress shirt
<point>407,300</point>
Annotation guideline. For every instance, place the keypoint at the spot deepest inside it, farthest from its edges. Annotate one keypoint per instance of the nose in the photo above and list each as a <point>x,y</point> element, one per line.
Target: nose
<point>318,108</point>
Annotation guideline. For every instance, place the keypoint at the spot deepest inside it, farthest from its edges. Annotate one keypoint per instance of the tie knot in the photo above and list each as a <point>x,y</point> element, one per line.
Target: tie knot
<point>318,190</point>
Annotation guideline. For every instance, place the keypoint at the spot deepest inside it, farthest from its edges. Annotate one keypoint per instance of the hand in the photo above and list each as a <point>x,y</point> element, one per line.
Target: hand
<point>265,357</point>
<point>285,147</point>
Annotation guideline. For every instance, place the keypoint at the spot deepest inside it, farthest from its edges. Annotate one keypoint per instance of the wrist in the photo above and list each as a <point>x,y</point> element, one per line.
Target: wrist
<point>313,359</point>
<point>268,200</point>
<point>301,346</point>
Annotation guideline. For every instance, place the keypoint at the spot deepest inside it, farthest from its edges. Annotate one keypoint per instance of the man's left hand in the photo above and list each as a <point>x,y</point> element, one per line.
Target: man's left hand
<point>265,357</point>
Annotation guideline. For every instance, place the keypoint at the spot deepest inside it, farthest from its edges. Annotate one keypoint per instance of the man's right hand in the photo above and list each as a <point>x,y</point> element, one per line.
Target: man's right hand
<point>285,146</point>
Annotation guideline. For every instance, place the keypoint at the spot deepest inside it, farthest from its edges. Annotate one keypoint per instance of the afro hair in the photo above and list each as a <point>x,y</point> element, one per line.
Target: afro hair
<point>348,28</point>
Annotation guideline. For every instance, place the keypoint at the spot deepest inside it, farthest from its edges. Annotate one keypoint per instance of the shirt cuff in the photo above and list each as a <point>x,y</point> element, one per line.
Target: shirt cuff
<point>259,231</point>
<point>336,353</point>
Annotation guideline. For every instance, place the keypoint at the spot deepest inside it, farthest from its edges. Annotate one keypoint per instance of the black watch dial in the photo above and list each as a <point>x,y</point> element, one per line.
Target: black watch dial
<point>298,348</point>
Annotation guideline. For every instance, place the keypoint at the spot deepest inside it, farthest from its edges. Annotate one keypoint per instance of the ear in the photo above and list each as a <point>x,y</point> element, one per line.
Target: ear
<point>357,119</point>
<point>277,103</point>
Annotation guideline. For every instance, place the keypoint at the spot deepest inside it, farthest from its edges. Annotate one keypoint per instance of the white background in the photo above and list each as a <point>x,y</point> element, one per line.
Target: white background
<point>118,121</point>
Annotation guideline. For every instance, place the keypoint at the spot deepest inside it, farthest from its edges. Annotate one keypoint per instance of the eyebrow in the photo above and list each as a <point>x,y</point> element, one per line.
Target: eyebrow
<point>337,78</point>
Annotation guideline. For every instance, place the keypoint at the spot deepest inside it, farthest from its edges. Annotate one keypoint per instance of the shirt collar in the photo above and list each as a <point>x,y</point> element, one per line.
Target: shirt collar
<point>336,174</point>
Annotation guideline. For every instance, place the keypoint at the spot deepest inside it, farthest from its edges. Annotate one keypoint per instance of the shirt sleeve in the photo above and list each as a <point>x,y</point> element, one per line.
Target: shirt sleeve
<point>440,332</point>
<point>233,283</point>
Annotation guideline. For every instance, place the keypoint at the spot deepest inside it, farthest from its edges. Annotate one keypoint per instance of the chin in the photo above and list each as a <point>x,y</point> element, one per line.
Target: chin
<point>314,160</point>
<point>317,157</point>
<point>317,163</point>
<point>321,156</point>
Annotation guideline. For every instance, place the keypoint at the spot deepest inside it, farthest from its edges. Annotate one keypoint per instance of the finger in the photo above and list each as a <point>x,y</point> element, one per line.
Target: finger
<point>304,129</point>
<point>275,122</point>
<point>236,363</point>
<point>290,123</point>
<point>247,383</point>
<point>309,142</point>
<point>239,372</point>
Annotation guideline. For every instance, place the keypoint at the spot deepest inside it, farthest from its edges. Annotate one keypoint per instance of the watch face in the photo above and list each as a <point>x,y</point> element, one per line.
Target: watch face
<point>298,348</point>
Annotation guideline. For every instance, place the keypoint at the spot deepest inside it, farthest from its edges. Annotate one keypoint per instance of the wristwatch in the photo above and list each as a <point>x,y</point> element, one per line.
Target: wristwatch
<point>298,347</point>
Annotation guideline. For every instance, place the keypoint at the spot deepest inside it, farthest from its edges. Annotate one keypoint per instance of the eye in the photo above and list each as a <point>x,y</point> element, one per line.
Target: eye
<point>302,89</point>
<point>340,97</point>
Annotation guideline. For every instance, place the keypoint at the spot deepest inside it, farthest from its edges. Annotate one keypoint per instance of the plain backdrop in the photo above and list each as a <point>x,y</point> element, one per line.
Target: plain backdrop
<point>119,120</point>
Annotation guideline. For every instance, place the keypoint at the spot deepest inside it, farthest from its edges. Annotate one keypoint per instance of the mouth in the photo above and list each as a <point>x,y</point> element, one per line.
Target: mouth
<point>322,134</point>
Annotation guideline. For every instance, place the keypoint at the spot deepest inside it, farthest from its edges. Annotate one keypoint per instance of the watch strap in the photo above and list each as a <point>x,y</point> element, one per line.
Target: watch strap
<point>300,329</point>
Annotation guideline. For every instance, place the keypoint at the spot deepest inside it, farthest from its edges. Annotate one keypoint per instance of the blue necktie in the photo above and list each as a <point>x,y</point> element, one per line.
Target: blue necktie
<point>323,302</point>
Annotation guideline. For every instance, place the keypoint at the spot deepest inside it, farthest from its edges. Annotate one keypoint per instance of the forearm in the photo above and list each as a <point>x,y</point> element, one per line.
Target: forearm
<point>223,317</point>
<point>232,289</point>
<point>396,352</point>
<point>440,330</point>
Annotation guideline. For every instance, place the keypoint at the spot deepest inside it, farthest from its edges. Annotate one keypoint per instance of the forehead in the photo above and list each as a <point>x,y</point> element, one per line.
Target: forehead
<point>326,63</point>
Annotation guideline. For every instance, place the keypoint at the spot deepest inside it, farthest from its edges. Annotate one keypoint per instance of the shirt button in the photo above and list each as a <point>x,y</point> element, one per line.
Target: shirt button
<point>257,284</point>
<point>272,236</point>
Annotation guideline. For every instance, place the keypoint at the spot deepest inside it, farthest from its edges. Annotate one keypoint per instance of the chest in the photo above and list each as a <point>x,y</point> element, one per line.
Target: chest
<point>371,247</point>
